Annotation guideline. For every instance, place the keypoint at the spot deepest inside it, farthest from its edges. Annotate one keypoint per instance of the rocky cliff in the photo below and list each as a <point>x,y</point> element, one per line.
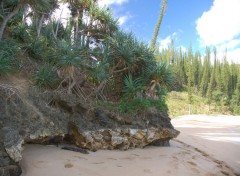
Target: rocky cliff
<point>27,116</point>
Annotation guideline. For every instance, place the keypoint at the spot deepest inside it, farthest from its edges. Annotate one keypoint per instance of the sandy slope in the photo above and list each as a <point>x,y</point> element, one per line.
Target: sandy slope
<point>207,146</point>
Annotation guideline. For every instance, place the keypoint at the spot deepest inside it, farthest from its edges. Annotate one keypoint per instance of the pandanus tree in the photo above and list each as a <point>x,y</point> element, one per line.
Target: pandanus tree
<point>10,8</point>
<point>101,23</point>
<point>123,55</point>
<point>78,9</point>
<point>159,78</point>
<point>71,57</point>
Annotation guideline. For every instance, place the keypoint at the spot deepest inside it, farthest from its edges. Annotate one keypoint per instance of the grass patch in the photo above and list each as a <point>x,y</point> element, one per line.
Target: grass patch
<point>133,106</point>
<point>8,52</point>
<point>177,103</point>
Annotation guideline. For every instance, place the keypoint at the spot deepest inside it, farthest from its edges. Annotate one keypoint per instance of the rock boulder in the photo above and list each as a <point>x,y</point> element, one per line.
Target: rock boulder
<point>52,118</point>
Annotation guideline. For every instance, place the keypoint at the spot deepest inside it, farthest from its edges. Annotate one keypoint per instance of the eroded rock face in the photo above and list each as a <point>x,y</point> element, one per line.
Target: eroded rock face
<point>33,119</point>
<point>122,139</point>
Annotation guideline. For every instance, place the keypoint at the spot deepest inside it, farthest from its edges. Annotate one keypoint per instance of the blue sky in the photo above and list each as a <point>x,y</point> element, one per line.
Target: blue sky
<point>200,23</point>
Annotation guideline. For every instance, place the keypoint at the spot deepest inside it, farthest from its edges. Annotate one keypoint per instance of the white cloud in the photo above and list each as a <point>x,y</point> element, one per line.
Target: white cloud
<point>123,19</point>
<point>220,27</point>
<point>62,13</point>
<point>220,24</point>
<point>164,43</point>
<point>233,50</point>
<point>229,45</point>
<point>183,48</point>
<point>232,55</point>
<point>103,3</point>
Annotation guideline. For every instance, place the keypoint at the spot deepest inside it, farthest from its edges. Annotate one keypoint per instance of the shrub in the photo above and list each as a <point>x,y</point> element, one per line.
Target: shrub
<point>46,77</point>
<point>21,33</point>
<point>42,50</point>
<point>132,86</point>
<point>137,105</point>
<point>8,51</point>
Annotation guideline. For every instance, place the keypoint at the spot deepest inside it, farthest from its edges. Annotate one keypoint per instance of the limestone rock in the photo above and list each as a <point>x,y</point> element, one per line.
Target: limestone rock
<point>7,166</point>
<point>13,143</point>
<point>53,117</point>
<point>122,139</point>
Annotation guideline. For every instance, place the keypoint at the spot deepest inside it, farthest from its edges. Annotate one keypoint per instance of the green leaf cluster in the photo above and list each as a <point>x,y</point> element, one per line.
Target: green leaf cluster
<point>8,52</point>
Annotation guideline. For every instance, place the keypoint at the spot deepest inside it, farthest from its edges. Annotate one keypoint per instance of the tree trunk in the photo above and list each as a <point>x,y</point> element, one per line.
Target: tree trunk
<point>10,15</point>
<point>76,26</point>
<point>163,8</point>
<point>189,109</point>
<point>39,25</point>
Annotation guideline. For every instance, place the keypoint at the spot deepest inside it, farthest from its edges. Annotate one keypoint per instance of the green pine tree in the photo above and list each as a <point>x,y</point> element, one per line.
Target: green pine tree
<point>156,30</point>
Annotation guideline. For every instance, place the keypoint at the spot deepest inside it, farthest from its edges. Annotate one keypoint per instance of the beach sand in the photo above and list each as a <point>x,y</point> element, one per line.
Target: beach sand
<point>207,146</point>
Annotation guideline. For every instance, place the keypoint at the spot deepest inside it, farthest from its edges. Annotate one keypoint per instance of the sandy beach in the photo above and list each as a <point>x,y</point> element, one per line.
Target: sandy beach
<point>207,146</point>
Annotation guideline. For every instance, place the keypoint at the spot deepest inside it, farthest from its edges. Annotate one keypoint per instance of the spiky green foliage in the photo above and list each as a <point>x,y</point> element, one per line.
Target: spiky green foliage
<point>161,73</point>
<point>38,49</point>
<point>95,53</point>
<point>46,76</point>
<point>10,9</point>
<point>21,33</point>
<point>132,86</point>
<point>8,53</point>
<point>71,55</point>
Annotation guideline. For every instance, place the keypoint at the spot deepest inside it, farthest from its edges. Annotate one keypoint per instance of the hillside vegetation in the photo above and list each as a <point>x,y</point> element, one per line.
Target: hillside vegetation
<point>102,65</point>
<point>92,59</point>
<point>178,105</point>
<point>216,80</point>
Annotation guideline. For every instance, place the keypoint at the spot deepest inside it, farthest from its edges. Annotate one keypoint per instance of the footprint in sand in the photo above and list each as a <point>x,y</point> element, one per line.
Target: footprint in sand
<point>162,155</point>
<point>79,157</point>
<point>186,153</point>
<point>38,164</point>
<point>128,158</point>
<point>169,172</point>
<point>174,157</point>
<point>195,171</point>
<point>98,162</point>
<point>194,157</point>
<point>146,157</point>
<point>192,163</point>
<point>112,158</point>
<point>202,152</point>
<point>68,165</point>
<point>147,170</point>
<point>135,154</point>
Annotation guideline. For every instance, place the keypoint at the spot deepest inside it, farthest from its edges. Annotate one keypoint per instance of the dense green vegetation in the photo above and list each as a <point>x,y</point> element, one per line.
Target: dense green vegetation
<point>178,105</point>
<point>89,56</point>
<point>216,81</point>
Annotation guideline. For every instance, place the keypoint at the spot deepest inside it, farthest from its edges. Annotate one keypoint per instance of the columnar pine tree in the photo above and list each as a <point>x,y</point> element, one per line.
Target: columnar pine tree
<point>206,73</point>
<point>226,80</point>
<point>235,101</point>
<point>212,83</point>
<point>157,27</point>
<point>217,80</point>
<point>189,77</point>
